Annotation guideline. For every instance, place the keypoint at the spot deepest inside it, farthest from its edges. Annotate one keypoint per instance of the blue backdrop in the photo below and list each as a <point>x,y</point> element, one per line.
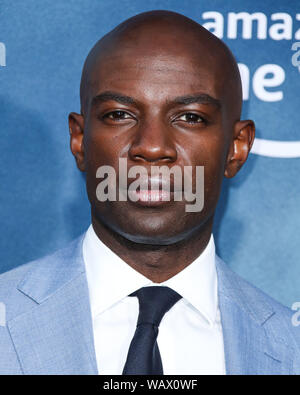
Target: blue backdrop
<point>43,203</point>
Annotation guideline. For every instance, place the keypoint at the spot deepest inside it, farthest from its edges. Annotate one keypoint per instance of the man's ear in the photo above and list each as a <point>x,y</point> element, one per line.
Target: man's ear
<point>243,137</point>
<point>76,127</point>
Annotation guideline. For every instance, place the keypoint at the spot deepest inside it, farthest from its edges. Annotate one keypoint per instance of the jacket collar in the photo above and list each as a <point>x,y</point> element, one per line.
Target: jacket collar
<point>53,272</point>
<point>239,292</point>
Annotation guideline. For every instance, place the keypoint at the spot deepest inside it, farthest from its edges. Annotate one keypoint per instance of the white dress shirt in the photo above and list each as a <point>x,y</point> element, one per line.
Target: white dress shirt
<point>190,337</point>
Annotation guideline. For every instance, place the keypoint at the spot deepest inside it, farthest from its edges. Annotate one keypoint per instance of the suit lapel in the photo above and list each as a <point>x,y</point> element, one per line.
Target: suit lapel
<point>249,348</point>
<point>55,336</point>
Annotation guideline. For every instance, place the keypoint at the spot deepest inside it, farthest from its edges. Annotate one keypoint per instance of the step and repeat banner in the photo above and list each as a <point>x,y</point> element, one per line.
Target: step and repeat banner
<point>43,202</point>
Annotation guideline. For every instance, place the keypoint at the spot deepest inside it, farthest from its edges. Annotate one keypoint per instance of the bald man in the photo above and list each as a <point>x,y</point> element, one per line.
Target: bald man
<point>142,291</point>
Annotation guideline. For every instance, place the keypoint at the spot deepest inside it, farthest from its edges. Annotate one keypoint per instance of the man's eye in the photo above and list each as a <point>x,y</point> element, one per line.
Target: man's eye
<point>117,115</point>
<point>190,118</point>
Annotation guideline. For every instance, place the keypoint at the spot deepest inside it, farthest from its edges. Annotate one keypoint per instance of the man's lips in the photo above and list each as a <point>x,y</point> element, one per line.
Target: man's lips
<point>156,184</point>
<point>151,192</point>
<point>150,198</point>
<point>151,195</point>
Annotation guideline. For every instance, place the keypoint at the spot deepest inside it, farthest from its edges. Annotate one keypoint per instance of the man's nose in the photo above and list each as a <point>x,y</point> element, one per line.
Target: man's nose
<point>153,143</point>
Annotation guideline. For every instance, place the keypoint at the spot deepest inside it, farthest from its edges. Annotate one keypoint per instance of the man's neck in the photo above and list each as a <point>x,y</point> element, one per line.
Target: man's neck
<point>156,262</point>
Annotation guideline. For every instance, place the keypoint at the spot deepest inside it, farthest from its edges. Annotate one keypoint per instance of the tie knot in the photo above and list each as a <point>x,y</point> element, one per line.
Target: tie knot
<point>154,302</point>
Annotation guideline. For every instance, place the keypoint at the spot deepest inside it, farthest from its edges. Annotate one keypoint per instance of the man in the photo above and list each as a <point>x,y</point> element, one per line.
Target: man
<point>142,291</point>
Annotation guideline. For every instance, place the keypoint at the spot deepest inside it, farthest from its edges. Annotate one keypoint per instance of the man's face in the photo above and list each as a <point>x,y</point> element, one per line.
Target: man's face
<point>156,109</point>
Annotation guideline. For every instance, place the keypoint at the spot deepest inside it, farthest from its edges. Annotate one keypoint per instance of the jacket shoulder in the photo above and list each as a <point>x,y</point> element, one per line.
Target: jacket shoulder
<point>278,320</point>
<point>9,294</point>
<point>12,303</point>
<point>12,282</point>
<point>24,287</point>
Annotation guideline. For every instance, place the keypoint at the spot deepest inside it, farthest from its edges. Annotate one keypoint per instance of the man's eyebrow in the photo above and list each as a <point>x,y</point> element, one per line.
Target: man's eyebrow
<point>115,96</point>
<point>124,99</point>
<point>198,98</point>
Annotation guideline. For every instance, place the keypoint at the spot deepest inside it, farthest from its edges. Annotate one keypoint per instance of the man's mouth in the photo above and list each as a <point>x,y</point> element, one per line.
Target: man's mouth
<point>152,191</point>
<point>152,195</point>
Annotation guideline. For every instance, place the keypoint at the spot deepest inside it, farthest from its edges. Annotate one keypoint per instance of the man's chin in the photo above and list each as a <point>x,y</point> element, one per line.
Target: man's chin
<point>157,240</point>
<point>152,236</point>
<point>148,226</point>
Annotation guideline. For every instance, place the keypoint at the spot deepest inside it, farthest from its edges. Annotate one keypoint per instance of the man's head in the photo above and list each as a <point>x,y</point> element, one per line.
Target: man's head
<point>160,90</point>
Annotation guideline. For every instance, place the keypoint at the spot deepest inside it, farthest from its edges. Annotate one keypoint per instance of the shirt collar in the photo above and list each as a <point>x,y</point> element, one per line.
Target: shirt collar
<point>196,283</point>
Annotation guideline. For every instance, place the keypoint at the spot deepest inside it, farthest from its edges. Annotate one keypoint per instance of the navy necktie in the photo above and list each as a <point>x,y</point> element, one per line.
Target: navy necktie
<point>143,356</point>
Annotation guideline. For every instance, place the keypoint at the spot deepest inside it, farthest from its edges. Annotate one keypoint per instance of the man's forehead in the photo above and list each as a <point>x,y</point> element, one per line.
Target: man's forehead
<point>160,75</point>
<point>162,61</point>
